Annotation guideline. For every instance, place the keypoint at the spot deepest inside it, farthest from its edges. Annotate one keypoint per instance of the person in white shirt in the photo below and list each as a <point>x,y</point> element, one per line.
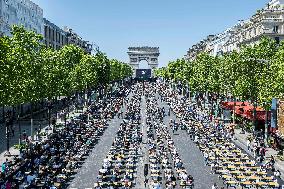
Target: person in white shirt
<point>196,139</point>
<point>214,186</point>
<point>277,173</point>
<point>248,144</point>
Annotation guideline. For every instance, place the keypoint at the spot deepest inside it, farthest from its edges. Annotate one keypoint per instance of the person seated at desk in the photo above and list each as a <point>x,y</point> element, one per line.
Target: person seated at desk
<point>37,161</point>
<point>277,173</point>
<point>5,167</point>
<point>168,184</point>
<point>52,186</point>
<point>183,176</point>
<point>56,165</point>
<point>19,175</point>
<point>97,186</point>
<point>156,185</point>
<point>30,178</point>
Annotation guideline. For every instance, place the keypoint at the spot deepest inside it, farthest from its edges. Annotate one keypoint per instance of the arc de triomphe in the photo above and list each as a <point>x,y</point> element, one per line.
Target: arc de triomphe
<point>137,54</point>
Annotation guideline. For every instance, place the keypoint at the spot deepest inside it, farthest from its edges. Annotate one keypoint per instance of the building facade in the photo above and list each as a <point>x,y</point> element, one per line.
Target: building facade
<point>20,12</point>
<point>268,22</point>
<point>74,38</point>
<point>54,36</point>
<point>30,15</point>
<point>198,48</point>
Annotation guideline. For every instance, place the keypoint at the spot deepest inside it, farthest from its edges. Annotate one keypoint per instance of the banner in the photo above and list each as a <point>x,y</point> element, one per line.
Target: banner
<point>274,113</point>
<point>280,116</point>
<point>143,73</point>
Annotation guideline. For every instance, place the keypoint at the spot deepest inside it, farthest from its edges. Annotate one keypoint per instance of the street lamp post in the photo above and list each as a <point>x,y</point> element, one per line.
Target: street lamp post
<point>7,137</point>
<point>188,90</point>
<point>65,119</point>
<point>48,110</point>
<point>7,122</point>
<point>32,120</point>
<point>254,114</point>
<point>20,133</point>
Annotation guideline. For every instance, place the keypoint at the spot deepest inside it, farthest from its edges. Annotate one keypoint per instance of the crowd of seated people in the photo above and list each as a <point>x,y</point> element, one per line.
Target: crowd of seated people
<point>120,165</point>
<point>236,168</point>
<point>50,161</point>
<point>166,167</point>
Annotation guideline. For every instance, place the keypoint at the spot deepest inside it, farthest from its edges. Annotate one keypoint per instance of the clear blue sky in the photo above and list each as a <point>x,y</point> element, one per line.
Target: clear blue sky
<point>172,25</point>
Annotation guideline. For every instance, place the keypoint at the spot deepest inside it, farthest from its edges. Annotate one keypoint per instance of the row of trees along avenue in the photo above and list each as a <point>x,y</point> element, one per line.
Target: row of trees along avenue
<point>255,73</point>
<point>31,72</point>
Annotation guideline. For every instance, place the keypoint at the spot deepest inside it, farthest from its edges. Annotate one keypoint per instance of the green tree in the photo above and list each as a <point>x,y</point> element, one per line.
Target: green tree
<point>68,58</point>
<point>5,71</point>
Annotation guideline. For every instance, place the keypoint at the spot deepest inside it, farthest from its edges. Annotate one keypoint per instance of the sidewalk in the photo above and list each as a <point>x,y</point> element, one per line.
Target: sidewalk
<point>15,140</point>
<point>25,125</point>
<point>241,142</point>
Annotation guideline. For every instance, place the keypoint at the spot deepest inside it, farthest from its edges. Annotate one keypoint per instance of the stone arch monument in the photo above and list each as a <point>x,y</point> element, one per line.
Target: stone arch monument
<point>137,54</point>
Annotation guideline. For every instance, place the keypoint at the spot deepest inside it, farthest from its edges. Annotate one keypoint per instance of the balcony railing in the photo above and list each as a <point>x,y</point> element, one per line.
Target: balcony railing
<point>272,20</point>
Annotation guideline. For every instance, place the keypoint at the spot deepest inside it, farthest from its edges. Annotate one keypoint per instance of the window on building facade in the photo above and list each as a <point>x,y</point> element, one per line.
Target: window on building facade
<point>133,59</point>
<point>49,33</point>
<point>45,31</point>
<point>59,37</point>
<point>275,29</point>
<point>52,35</point>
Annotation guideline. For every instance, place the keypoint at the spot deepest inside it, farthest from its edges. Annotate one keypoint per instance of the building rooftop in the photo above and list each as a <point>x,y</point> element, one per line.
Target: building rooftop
<point>47,22</point>
<point>276,2</point>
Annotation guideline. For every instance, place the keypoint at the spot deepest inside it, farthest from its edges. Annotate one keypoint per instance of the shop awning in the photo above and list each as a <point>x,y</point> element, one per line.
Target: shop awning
<point>247,112</point>
<point>245,109</point>
<point>230,105</point>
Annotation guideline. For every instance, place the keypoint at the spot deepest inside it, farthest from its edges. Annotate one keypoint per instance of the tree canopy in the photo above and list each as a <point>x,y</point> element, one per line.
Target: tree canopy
<point>255,72</point>
<point>30,71</point>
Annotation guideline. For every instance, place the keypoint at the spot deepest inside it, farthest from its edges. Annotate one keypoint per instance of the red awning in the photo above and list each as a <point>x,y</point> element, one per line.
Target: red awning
<point>239,110</point>
<point>245,109</point>
<point>230,105</point>
<point>260,113</point>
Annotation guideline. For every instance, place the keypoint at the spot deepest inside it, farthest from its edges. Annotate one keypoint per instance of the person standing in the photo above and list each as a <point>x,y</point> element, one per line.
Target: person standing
<point>255,147</point>
<point>176,127</point>
<point>248,144</point>
<point>272,160</point>
<point>206,157</point>
<point>145,182</point>
<point>3,168</point>
<point>214,186</point>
